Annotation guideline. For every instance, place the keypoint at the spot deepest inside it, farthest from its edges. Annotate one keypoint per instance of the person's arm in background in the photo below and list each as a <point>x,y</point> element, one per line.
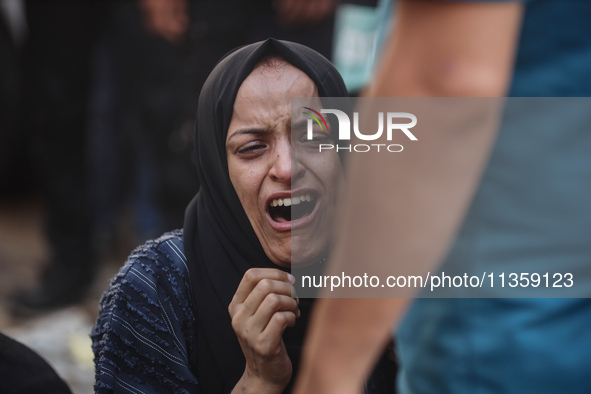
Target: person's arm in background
<point>438,49</point>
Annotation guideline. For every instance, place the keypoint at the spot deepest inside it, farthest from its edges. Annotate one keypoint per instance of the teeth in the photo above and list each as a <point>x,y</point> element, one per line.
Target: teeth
<point>279,202</point>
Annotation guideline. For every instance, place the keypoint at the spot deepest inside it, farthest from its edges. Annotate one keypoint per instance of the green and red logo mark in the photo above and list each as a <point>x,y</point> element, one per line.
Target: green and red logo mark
<point>315,117</point>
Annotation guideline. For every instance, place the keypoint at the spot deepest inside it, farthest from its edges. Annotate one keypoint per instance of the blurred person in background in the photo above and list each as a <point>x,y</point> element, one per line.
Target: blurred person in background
<point>12,27</point>
<point>529,209</point>
<point>56,84</point>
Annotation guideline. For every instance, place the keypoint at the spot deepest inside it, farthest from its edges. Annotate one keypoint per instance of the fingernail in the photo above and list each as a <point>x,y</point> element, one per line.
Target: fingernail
<point>291,278</point>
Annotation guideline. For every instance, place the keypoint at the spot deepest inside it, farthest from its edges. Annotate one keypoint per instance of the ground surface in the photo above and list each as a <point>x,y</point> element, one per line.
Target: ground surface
<point>61,337</point>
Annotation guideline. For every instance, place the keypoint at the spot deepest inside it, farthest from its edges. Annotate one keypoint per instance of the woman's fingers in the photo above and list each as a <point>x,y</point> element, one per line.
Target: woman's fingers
<point>253,276</point>
<point>261,310</point>
<point>278,323</point>
<point>253,326</point>
<point>270,293</point>
<point>255,286</point>
<point>263,290</point>
<point>271,305</point>
<point>269,341</point>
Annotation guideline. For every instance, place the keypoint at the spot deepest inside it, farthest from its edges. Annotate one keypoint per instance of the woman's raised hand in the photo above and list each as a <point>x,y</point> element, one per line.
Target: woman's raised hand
<point>262,308</point>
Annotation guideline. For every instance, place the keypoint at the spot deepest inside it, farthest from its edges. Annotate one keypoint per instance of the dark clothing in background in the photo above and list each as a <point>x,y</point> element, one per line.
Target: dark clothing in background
<point>56,78</point>
<point>22,371</point>
<point>14,161</point>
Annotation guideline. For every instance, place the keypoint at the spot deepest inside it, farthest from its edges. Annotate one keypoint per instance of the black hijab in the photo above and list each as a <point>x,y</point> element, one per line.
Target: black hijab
<point>220,243</point>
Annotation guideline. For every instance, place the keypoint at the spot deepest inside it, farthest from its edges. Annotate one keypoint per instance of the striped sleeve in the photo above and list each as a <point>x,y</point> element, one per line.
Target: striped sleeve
<point>145,331</point>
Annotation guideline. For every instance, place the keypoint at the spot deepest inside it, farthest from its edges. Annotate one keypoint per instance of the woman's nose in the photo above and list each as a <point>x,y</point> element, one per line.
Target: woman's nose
<point>286,168</point>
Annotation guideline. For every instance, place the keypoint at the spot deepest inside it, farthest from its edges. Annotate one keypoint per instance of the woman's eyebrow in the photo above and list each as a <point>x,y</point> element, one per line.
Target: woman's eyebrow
<point>302,122</point>
<point>247,131</point>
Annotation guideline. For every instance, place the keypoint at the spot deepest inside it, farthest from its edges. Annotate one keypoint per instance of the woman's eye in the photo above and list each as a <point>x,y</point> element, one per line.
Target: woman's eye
<point>251,149</point>
<point>322,138</point>
<point>317,138</point>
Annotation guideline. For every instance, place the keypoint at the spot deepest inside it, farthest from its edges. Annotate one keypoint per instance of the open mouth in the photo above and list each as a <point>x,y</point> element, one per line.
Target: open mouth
<point>284,210</point>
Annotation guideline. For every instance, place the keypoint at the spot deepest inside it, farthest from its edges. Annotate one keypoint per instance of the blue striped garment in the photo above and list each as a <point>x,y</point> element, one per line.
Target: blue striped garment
<point>144,340</point>
<point>145,332</point>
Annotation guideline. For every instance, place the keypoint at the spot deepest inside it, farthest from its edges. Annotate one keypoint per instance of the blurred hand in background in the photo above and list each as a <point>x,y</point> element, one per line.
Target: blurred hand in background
<point>166,18</point>
<point>303,12</point>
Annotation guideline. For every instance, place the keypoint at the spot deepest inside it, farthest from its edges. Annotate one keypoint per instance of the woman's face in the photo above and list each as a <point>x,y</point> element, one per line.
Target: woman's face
<point>288,190</point>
